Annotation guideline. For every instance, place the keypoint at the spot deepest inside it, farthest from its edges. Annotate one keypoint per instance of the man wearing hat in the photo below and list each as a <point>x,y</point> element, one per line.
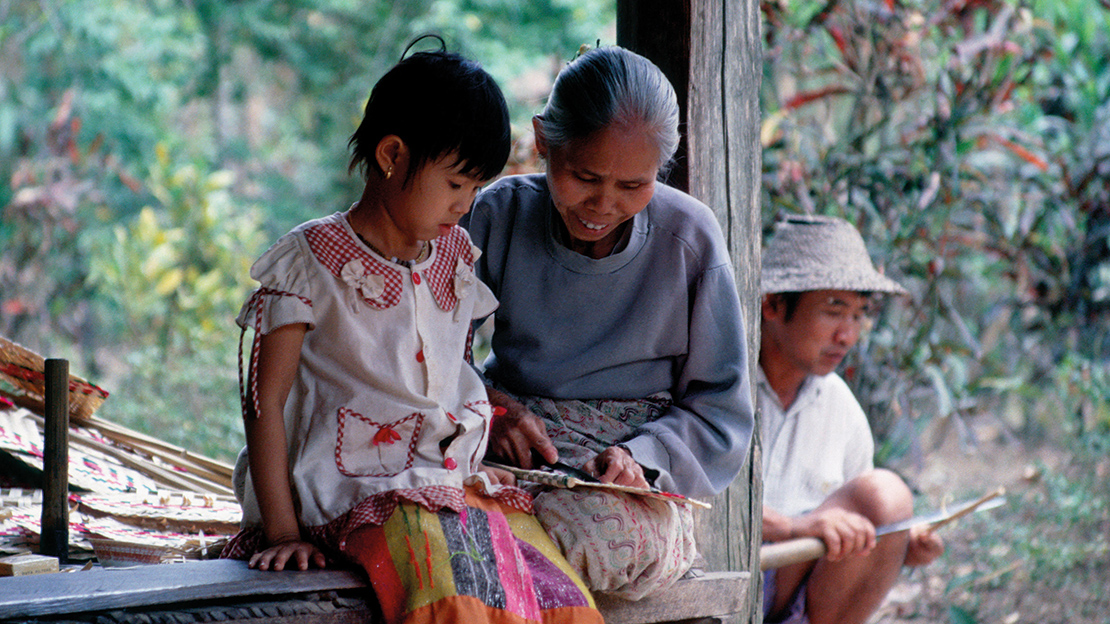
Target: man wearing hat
<point>819,479</point>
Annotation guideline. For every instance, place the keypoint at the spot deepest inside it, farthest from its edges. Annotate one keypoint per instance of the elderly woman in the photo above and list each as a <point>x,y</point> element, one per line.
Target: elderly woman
<point>618,346</point>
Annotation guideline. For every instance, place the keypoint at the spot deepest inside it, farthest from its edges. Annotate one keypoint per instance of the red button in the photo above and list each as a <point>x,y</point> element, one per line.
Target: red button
<point>450,464</point>
<point>420,356</point>
<point>416,278</point>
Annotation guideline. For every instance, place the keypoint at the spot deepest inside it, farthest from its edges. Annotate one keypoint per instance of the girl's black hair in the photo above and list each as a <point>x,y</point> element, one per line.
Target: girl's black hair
<point>438,103</point>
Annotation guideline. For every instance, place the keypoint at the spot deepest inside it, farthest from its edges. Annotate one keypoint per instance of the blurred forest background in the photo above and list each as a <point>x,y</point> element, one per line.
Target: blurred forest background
<point>150,150</point>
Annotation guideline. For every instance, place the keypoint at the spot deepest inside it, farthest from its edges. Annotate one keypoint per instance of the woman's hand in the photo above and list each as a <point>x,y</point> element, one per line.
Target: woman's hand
<point>924,547</point>
<point>517,432</point>
<point>275,557</point>
<point>615,465</point>
<point>845,533</point>
<point>498,476</point>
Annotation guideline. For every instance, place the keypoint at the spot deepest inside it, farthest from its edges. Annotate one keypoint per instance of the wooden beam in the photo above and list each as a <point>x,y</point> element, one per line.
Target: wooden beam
<point>712,52</point>
<point>723,124</point>
<point>660,31</point>
<point>192,585</point>
<point>715,596</point>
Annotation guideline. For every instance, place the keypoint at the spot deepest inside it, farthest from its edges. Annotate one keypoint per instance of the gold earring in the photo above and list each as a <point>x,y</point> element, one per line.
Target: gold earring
<point>389,172</point>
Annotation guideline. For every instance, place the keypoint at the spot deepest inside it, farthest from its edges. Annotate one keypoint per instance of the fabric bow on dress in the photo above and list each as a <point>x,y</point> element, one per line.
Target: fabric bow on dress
<point>362,282</point>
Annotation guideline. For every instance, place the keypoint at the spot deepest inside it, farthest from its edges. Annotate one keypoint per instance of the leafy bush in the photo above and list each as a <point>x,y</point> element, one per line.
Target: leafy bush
<point>172,280</point>
<point>140,142</point>
<point>957,137</point>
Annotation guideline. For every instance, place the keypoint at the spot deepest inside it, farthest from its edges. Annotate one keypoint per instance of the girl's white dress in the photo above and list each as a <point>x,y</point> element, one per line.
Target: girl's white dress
<point>384,398</point>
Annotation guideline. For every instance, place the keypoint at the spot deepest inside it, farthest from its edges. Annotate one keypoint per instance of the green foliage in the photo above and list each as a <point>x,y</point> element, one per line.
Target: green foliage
<point>514,40</point>
<point>177,273</point>
<point>171,281</point>
<point>957,138</point>
<point>187,399</point>
<point>150,150</point>
<point>956,615</point>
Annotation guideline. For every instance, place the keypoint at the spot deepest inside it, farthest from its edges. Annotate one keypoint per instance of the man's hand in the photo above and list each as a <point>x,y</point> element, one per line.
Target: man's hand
<point>845,533</point>
<point>924,547</point>
<point>615,465</point>
<point>515,433</point>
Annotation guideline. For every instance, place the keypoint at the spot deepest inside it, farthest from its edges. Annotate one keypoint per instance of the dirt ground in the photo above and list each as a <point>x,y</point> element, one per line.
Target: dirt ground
<point>987,575</point>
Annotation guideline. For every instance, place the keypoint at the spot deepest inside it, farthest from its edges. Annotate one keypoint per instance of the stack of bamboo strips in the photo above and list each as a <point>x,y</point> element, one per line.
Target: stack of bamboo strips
<point>186,470</point>
<point>170,466</point>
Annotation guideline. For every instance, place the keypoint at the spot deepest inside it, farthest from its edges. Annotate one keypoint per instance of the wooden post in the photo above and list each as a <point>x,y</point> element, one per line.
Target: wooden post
<point>54,539</point>
<point>719,41</point>
<point>723,123</point>
<point>660,30</point>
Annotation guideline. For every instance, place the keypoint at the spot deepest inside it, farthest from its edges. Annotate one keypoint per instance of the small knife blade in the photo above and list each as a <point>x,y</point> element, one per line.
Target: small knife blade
<point>996,499</point>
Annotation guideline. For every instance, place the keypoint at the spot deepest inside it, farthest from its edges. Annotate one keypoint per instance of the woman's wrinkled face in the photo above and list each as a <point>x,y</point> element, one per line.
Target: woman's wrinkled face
<point>599,182</point>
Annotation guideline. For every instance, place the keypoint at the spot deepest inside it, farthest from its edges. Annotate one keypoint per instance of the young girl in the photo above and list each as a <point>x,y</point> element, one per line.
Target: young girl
<point>365,425</point>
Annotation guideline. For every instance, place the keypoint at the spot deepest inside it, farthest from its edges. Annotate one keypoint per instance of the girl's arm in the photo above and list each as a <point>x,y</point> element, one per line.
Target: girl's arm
<point>278,358</point>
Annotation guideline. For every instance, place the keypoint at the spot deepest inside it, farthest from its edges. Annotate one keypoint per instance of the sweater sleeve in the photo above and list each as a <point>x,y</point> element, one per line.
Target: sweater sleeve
<point>479,225</point>
<point>699,445</point>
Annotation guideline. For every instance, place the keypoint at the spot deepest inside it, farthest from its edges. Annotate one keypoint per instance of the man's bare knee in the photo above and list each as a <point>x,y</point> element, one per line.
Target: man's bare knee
<point>880,495</point>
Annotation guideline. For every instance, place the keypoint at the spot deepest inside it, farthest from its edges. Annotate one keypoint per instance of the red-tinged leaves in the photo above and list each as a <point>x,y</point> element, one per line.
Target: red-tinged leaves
<point>130,182</point>
<point>838,39</point>
<point>97,143</point>
<point>1020,151</point>
<point>805,97</point>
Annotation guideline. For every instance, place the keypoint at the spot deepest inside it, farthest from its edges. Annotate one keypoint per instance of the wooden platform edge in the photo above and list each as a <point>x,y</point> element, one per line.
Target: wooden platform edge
<point>141,586</point>
<point>714,595</point>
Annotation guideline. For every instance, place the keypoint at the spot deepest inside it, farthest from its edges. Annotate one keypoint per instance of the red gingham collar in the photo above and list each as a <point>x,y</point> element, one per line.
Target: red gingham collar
<point>334,247</point>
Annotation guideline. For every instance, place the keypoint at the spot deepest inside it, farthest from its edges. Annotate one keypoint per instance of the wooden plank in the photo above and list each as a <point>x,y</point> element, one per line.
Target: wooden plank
<point>103,589</point>
<point>330,607</point>
<point>723,125</point>
<point>715,595</point>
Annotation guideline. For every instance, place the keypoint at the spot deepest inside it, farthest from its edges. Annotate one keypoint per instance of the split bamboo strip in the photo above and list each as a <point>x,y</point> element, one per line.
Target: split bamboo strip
<point>211,469</point>
<point>969,509</point>
<point>121,433</point>
<point>187,461</point>
<point>182,480</point>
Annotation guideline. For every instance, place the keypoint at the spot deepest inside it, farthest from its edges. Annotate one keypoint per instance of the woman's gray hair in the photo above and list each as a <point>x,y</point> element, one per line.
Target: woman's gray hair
<point>609,86</point>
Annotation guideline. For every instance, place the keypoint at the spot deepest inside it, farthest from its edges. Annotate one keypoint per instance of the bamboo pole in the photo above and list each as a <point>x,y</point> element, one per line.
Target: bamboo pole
<point>789,552</point>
